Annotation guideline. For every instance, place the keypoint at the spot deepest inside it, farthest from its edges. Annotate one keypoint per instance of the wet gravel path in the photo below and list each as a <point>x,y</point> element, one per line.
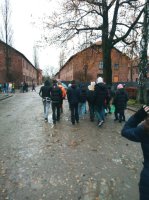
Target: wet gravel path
<point>39,161</point>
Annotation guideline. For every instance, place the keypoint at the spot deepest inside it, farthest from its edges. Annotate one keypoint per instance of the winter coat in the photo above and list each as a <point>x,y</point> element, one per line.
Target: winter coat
<point>135,132</point>
<point>120,100</point>
<point>56,94</point>
<point>45,90</point>
<point>83,94</point>
<point>100,95</point>
<point>73,94</point>
<point>90,96</point>
<point>63,91</point>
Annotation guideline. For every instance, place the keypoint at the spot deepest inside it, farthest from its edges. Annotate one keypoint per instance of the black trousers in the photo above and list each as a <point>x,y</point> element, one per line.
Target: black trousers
<point>56,112</point>
<point>92,111</point>
<point>74,113</point>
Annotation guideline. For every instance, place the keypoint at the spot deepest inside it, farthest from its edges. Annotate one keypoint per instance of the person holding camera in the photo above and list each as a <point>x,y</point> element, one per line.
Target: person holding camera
<point>137,129</point>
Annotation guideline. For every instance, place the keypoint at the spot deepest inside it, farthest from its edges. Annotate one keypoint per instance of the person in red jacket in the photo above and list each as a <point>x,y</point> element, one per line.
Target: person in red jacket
<point>63,95</point>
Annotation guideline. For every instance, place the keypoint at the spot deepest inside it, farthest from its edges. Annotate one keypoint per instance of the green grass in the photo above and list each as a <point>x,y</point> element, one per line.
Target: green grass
<point>133,102</point>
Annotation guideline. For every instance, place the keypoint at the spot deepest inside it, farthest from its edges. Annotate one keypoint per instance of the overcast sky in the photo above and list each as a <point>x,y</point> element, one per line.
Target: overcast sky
<point>24,13</point>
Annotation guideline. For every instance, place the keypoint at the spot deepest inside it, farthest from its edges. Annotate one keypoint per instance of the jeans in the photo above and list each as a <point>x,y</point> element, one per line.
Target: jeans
<point>91,110</point>
<point>74,113</point>
<point>100,113</point>
<point>46,105</point>
<point>56,112</point>
<point>82,109</point>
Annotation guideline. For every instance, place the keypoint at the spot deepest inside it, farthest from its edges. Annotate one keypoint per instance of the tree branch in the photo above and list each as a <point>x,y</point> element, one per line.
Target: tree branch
<point>129,30</point>
<point>114,24</point>
<point>111,4</point>
<point>94,2</point>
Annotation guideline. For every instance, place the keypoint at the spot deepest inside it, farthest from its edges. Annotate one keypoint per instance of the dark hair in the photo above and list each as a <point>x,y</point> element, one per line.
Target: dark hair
<point>54,81</point>
<point>73,82</point>
<point>47,83</point>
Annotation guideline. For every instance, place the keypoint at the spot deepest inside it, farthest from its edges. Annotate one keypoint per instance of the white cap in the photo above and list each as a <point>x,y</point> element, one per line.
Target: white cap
<point>99,80</point>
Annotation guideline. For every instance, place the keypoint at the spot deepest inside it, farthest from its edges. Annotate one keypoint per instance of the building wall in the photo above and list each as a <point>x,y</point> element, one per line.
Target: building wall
<point>2,64</point>
<point>92,57</point>
<point>20,68</point>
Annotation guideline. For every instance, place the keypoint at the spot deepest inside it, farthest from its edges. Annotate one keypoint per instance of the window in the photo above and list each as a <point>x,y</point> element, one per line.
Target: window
<point>115,79</point>
<point>101,65</point>
<point>116,66</point>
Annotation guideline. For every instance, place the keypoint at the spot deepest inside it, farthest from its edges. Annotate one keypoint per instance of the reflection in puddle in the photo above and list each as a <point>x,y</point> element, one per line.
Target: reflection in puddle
<point>50,121</point>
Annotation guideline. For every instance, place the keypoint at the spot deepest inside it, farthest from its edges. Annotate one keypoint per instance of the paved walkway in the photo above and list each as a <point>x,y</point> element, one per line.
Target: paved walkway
<point>4,96</point>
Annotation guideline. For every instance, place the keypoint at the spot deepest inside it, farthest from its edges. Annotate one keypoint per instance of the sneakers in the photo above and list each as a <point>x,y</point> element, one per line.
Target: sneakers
<point>100,123</point>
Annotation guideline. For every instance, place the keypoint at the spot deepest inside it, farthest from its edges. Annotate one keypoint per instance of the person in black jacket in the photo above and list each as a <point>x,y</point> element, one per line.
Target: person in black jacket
<point>56,98</point>
<point>120,102</point>
<point>46,97</point>
<point>73,96</point>
<point>101,95</point>
<point>137,129</point>
<point>82,100</point>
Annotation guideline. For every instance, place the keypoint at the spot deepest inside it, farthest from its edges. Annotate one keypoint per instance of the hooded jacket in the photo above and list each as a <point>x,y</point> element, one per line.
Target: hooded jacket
<point>45,90</point>
<point>100,94</point>
<point>73,94</point>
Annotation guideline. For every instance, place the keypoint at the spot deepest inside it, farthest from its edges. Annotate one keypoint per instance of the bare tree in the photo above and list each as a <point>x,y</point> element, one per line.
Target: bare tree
<point>35,57</point>
<point>108,20</point>
<point>143,64</point>
<point>62,59</point>
<point>6,35</point>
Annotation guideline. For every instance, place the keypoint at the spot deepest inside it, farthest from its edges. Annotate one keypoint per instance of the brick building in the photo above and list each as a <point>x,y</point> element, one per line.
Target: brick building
<point>20,68</point>
<point>134,70</point>
<point>88,63</point>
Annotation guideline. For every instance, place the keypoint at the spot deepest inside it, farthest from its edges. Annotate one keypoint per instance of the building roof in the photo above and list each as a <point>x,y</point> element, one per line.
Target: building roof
<point>98,43</point>
<point>22,55</point>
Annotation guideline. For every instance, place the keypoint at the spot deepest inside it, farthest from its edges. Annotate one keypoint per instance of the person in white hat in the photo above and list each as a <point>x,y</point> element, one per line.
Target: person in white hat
<point>90,99</point>
<point>101,96</point>
<point>120,102</point>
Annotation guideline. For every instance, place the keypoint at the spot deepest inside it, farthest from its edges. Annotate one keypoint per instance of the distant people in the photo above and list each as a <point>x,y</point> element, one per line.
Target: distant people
<point>101,95</point>
<point>4,88</point>
<point>120,102</point>
<point>56,98</point>
<point>10,87</point>
<point>13,87</point>
<point>0,88</point>
<point>73,99</point>
<point>45,93</point>
<point>137,129</point>
<point>63,95</point>
<point>90,99</point>
<point>33,87</point>
<point>25,87</point>
<point>21,86</point>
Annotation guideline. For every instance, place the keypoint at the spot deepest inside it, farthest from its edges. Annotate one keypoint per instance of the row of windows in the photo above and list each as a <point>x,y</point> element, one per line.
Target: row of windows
<point>116,65</point>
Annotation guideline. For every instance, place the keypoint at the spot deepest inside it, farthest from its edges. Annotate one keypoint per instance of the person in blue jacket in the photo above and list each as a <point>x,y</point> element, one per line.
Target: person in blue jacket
<point>73,96</point>
<point>137,129</point>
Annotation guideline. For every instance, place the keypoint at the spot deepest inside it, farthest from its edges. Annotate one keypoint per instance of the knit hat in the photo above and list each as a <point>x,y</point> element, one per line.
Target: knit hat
<point>91,86</point>
<point>120,86</point>
<point>99,80</point>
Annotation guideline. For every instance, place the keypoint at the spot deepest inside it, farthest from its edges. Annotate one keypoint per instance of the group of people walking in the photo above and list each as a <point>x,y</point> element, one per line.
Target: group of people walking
<point>100,98</point>
<point>53,95</point>
<point>7,87</point>
<point>97,95</point>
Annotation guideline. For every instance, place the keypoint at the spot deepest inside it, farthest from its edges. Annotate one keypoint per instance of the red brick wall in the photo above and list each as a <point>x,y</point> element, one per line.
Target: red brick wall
<point>92,58</point>
<point>20,68</point>
<point>2,65</point>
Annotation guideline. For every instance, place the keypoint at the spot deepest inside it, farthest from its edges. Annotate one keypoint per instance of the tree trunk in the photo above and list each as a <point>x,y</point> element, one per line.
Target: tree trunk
<point>106,47</point>
<point>107,70</point>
